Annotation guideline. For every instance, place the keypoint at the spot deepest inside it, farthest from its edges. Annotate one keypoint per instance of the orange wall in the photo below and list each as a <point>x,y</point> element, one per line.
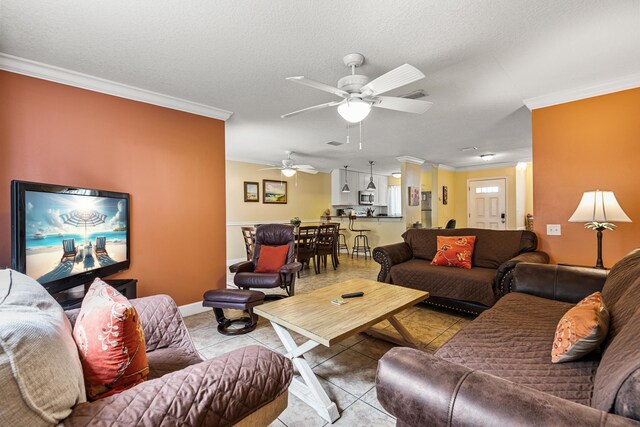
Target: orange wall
<point>172,163</point>
<point>580,146</point>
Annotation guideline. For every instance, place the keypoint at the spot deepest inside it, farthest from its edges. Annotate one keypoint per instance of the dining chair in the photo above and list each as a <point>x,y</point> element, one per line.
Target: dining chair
<point>249,236</point>
<point>325,246</point>
<point>306,245</point>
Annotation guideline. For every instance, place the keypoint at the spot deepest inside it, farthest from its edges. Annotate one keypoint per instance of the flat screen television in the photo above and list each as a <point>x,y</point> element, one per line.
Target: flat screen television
<point>66,236</point>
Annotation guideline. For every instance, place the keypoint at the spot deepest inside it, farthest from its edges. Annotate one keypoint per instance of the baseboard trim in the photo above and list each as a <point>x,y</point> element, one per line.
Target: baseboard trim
<point>193,308</point>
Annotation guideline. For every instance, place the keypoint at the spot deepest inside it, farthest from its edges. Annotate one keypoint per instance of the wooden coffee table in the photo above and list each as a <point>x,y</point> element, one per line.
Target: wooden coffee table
<point>315,317</point>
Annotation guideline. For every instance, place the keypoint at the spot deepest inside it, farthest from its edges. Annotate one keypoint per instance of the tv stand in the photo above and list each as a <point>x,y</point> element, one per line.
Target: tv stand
<point>72,298</point>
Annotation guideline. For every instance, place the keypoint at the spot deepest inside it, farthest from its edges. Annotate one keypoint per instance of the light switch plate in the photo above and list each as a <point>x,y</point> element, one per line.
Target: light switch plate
<point>554,230</point>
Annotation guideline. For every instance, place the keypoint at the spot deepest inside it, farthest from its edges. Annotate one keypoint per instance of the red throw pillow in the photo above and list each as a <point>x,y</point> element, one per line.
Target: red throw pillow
<point>454,251</point>
<point>271,258</point>
<point>110,340</point>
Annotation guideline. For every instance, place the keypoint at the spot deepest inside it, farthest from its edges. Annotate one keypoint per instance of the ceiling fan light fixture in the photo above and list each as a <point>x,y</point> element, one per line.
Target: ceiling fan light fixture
<point>354,110</point>
<point>288,172</point>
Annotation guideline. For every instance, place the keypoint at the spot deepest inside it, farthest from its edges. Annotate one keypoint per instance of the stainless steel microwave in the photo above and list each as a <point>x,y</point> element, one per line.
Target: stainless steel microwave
<point>366,197</point>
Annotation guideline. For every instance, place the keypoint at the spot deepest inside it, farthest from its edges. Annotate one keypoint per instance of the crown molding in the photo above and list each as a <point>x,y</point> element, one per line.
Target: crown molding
<point>562,97</point>
<point>444,167</point>
<point>15,64</point>
<point>487,166</point>
<point>409,159</point>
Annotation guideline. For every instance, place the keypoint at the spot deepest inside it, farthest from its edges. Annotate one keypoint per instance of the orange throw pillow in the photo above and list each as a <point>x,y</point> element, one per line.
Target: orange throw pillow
<point>581,330</point>
<point>110,341</point>
<point>454,251</point>
<point>271,258</point>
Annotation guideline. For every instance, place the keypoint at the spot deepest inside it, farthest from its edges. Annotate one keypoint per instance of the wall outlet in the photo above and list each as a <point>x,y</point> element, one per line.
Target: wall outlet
<point>554,230</point>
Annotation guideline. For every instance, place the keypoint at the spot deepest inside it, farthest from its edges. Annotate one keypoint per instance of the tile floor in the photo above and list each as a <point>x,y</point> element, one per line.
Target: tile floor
<point>346,370</point>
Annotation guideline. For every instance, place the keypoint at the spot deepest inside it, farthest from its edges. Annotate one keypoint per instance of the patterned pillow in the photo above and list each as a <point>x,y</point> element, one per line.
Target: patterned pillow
<point>454,251</point>
<point>581,330</point>
<point>110,341</point>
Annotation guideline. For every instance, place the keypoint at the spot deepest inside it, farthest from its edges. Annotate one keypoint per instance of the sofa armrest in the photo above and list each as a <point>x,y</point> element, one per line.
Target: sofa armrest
<point>423,390</point>
<point>220,391</point>
<point>242,267</point>
<point>291,268</point>
<point>562,283</point>
<point>162,323</point>
<point>504,277</point>
<point>390,255</point>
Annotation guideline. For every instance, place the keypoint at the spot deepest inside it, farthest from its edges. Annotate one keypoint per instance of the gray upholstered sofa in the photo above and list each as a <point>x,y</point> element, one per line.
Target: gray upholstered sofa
<point>497,371</point>
<point>495,255</point>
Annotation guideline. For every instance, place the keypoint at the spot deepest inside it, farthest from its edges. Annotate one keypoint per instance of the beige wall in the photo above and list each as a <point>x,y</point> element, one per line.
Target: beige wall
<point>448,211</point>
<point>308,197</point>
<point>425,181</point>
<point>528,185</point>
<point>411,176</point>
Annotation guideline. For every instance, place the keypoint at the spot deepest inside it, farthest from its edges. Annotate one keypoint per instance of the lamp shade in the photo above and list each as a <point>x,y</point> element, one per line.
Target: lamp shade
<point>345,188</point>
<point>599,206</point>
<point>354,110</point>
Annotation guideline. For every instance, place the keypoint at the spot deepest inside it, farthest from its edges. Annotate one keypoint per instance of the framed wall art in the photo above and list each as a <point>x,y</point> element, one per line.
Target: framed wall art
<point>251,191</point>
<point>274,191</point>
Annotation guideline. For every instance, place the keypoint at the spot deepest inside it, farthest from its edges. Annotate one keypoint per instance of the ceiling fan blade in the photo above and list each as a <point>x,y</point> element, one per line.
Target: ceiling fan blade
<point>311,171</point>
<point>269,169</point>
<point>315,107</point>
<point>403,104</point>
<point>317,85</point>
<point>403,75</point>
<point>302,167</point>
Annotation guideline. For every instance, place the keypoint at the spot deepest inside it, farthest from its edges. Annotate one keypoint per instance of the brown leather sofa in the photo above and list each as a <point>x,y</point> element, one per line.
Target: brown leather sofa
<point>244,387</point>
<point>495,255</point>
<point>498,372</point>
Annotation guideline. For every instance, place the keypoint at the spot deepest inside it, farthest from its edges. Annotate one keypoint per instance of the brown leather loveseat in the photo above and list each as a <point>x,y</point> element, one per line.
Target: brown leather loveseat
<point>497,371</point>
<point>495,255</point>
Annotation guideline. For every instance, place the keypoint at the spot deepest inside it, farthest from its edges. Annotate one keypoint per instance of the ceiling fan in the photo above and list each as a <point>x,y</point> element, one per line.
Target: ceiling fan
<point>359,94</point>
<point>289,169</point>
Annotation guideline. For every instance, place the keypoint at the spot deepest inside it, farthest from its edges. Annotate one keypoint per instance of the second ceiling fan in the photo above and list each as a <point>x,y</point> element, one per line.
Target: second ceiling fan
<point>359,94</point>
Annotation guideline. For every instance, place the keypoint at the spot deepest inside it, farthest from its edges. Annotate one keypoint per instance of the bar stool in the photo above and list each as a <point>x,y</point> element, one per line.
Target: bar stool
<point>341,242</point>
<point>361,241</point>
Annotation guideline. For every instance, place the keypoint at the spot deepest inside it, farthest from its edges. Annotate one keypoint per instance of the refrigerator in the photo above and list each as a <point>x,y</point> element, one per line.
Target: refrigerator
<point>425,207</point>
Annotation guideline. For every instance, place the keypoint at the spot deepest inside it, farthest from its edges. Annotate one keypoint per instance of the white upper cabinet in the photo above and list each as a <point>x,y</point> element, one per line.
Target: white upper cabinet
<point>357,181</point>
<point>338,198</point>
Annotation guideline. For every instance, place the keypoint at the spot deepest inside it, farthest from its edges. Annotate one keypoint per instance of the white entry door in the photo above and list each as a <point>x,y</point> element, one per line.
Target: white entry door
<point>487,204</point>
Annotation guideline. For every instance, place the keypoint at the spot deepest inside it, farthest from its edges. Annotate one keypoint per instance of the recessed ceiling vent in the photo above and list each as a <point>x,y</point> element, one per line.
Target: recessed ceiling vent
<point>335,143</point>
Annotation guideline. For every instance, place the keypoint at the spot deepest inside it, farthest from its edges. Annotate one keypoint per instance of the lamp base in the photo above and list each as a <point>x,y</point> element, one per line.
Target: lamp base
<point>599,264</point>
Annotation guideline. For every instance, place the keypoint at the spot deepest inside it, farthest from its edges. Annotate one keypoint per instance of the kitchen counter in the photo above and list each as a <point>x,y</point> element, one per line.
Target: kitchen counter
<point>360,218</point>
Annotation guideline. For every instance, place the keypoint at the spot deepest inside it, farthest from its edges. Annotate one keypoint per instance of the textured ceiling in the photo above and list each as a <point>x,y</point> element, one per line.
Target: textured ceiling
<point>480,58</point>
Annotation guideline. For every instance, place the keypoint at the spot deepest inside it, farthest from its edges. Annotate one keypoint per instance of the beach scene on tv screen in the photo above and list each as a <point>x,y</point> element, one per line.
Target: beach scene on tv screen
<point>69,234</point>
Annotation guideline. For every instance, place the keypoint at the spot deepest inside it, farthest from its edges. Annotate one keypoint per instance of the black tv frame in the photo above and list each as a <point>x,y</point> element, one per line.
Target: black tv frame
<point>18,232</point>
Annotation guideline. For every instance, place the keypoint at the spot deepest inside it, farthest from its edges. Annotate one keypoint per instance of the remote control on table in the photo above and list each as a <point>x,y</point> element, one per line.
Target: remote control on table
<point>353,295</point>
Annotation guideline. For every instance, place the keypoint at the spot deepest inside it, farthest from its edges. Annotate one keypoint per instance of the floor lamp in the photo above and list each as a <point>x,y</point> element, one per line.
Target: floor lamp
<point>597,209</point>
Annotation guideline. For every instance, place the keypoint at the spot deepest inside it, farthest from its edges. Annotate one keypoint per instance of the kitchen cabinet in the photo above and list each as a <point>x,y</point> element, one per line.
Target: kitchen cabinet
<point>338,198</point>
<point>357,181</point>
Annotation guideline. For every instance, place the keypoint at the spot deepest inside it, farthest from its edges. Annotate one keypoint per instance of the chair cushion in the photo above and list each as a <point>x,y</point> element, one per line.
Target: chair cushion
<point>454,251</point>
<point>271,258</point>
<point>257,280</point>
<point>511,341</point>
<point>40,372</point>
<point>581,330</point>
<point>475,285</point>
<point>111,342</point>
<point>233,295</point>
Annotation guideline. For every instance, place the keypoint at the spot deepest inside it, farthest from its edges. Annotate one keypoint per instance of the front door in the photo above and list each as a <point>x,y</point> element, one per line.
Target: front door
<point>487,207</point>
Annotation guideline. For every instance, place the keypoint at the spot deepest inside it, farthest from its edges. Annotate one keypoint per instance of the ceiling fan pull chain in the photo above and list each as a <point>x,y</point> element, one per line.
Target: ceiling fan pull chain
<point>361,135</point>
<point>348,133</point>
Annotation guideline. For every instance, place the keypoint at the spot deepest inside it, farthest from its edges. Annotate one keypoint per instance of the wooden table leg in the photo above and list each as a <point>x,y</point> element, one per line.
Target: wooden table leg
<point>405,340</point>
<point>310,391</point>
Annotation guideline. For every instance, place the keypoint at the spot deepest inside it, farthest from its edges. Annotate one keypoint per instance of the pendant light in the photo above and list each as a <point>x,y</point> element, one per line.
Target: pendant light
<point>345,187</point>
<point>371,185</point>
